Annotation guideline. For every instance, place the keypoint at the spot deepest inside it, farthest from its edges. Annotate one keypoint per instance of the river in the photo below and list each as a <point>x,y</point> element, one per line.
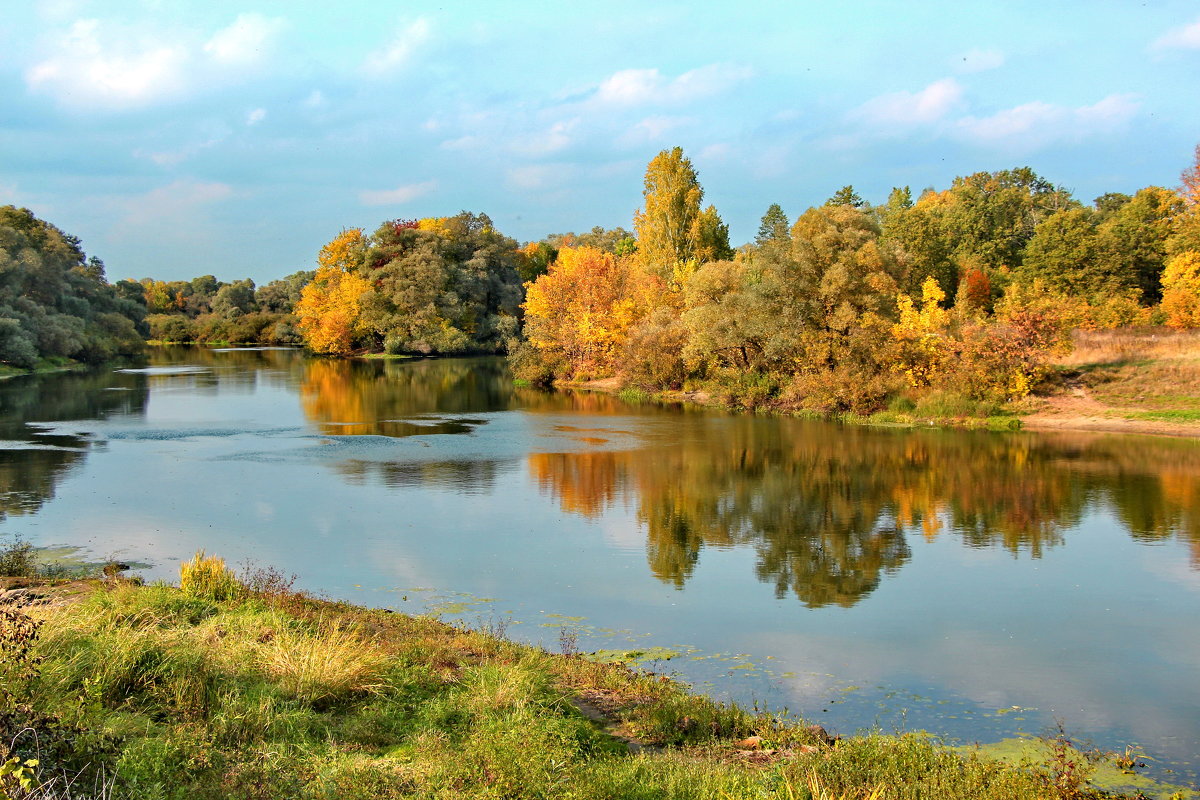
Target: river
<point>978,585</point>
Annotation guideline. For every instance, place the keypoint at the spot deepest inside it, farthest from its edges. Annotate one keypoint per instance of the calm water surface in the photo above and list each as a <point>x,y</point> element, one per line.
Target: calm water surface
<point>974,584</point>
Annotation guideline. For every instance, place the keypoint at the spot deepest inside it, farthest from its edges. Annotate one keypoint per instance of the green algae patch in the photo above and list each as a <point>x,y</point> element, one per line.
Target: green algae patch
<point>1105,773</point>
<point>636,657</point>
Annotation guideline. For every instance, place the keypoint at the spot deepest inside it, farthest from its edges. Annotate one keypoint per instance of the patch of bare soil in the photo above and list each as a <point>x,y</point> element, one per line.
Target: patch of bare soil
<point>1076,409</point>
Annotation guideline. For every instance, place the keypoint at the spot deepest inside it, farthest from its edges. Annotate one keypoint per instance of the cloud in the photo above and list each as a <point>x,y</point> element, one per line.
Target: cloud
<point>634,87</point>
<point>1185,37</point>
<point>397,196</point>
<point>545,142</point>
<point>400,50</point>
<point>539,177</point>
<point>978,60</point>
<point>256,116</point>
<point>315,100</point>
<point>1036,124</point>
<point>90,69</point>
<point>652,129</point>
<point>930,104</point>
<point>245,41</point>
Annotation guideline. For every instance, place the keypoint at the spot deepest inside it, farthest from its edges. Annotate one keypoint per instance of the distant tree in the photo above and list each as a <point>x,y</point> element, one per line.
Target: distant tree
<point>1110,203</point>
<point>713,237</point>
<point>235,299</point>
<point>773,227</point>
<point>846,196</point>
<point>1181,291</point>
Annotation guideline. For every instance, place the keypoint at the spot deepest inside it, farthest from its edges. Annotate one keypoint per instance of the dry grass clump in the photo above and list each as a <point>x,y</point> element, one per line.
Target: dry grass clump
<point>1123,345</point>
<point>209,578</point>
<point>328,664</point>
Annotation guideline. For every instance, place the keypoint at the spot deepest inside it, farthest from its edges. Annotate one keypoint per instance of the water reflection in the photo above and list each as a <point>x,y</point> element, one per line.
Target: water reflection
<point>827,510</point>
<point>34,458</point>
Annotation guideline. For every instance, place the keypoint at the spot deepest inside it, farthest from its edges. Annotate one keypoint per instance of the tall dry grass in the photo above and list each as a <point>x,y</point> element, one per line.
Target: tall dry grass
<point>1122,345</point>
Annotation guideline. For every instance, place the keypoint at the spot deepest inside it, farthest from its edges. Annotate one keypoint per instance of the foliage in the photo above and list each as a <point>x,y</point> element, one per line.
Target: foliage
<point>328,309</point>
<point>1181,291</point>
<point>925,349</point>
<point>55,301</point>
<point>583,309</point>
<point>669,226</point>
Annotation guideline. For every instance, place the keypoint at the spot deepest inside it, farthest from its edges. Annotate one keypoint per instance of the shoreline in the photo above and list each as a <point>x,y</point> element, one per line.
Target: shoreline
<point>523,699</point>
<point>1059,412</point>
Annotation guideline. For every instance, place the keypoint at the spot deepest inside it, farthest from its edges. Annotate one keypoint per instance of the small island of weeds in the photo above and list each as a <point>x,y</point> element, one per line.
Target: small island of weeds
<point>239,686</point>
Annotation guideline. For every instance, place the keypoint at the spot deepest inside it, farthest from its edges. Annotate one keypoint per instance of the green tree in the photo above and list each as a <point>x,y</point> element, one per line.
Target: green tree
<point>713,237</point>
<point>774,227</point>
<point>846,196</point>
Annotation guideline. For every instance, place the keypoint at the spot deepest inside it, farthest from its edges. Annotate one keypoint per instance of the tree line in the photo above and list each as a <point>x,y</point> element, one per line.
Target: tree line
<point>852,306</point>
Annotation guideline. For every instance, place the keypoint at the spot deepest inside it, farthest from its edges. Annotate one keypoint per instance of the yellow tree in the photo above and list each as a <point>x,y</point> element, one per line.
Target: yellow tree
<point>922,334</point>
<point>669,227</point>
<point>328,308</point>
<point>1181,291</point>
<point>585,306</point>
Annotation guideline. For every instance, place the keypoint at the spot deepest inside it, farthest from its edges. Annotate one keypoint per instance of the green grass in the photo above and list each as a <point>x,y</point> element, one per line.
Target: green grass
<point>269,693</point>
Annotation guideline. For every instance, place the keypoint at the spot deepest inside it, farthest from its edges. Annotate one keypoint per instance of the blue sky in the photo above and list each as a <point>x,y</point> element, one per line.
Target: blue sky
<point>234,138</point>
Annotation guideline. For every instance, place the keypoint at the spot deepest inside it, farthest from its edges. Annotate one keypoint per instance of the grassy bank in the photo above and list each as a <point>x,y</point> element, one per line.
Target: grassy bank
<point>1136,380</point>
<point>1132,379</point>
<point>241,687</point>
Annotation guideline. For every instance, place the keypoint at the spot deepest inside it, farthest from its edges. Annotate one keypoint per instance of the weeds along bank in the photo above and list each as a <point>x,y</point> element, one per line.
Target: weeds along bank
<point>240,687</point>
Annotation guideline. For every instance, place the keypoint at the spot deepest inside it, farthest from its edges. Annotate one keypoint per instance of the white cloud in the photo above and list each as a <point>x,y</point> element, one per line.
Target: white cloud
<point>400,49</point>
<point>245,41</point>
<point>538,177</point>
<point>652,129</point>
<point>632,87</point>
<point>1036,124</point>
<point>92,70</point>
<point>546,142</point>
<point>467,142</point>
<point>1186,37</point>
<point>315,100</point>
<point>930,104</point>
<point>256,116</point>
<point>978,60</point>
<point>397,196</point>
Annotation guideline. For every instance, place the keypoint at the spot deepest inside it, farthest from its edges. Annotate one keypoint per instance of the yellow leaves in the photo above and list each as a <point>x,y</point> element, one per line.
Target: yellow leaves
<point>328,308</point>
<point>343,251</point>
<point>922,333</point>
<point>585,306</point>
<point>438,225</point>
<point>1181,291</point>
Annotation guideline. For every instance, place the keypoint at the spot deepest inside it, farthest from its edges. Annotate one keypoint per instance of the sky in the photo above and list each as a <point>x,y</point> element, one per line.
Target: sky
<point>235,138</point>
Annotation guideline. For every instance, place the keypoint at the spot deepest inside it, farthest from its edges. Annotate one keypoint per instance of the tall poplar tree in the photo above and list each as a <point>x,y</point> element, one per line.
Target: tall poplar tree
<point>668,226</point>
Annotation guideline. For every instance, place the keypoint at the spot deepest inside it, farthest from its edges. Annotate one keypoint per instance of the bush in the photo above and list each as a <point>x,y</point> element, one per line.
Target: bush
<point>17,560</point>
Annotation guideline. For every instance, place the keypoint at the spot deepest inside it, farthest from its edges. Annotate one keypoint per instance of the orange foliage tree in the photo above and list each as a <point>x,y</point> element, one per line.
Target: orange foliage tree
<point>329,306</point>
<point>583,308</point>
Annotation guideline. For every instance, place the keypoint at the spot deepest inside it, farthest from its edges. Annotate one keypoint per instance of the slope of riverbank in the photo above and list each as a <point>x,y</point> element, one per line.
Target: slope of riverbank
<point>244,688</point>
<point>1144,381</point>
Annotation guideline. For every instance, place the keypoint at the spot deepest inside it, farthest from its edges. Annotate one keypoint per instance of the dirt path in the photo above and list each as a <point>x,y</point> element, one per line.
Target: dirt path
<point>1078,410</point>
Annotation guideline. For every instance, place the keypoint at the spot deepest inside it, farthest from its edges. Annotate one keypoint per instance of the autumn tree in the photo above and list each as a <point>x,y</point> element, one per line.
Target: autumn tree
<point>583,309</point>
<point>712,237</point>
<point>668,226</point>
<point>329,306</point>
<point>1181,291</point>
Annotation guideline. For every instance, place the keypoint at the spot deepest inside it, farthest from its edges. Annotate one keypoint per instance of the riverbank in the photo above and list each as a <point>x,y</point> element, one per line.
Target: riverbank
<point>1134,380</point>
<point>242,687</point>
